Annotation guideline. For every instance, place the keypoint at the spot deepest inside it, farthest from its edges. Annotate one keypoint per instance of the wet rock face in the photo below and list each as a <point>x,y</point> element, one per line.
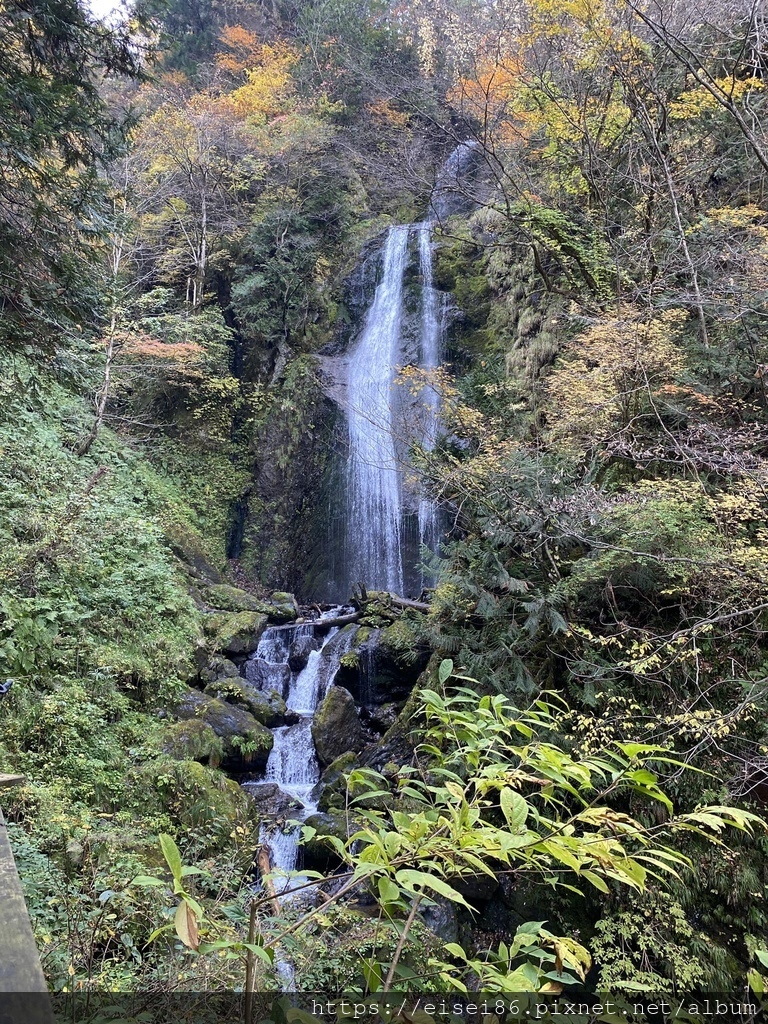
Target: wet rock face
<point>270,800</point>
<point>374,675</point>
<point>336,727</point>
<point>301,648</point>
<point>441,919</point>
<point>246,743</point>
<point>317,855</point>
<point>264,675</point>
<point>380,719</point>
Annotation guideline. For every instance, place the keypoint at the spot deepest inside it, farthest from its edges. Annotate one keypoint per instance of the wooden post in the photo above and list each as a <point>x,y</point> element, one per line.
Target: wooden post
<point>269,887</point>
<point>23,991</point>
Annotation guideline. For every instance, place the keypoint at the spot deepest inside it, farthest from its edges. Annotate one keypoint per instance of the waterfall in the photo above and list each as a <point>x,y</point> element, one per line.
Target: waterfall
<point>377,507</point>
<point>375,512</point>
<point>292,763</point>
<point>380,551</point>
<point>432,320</point>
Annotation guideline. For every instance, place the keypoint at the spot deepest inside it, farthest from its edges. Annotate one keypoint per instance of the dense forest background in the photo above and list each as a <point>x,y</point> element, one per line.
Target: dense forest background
<point>185,196</point>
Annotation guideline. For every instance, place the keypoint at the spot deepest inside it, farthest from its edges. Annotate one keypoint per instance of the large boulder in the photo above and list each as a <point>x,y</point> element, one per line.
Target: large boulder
<point>336,727</point>
<point>267,707</point>
<point>232,599</point>
<point>235,632</point>
<point>265,675</point>
<point>271,801</point>
<point>190,549</point>
<point>284,607</point>
<point>196,795</point>
<point>280,607</point>
<point>246,742</point>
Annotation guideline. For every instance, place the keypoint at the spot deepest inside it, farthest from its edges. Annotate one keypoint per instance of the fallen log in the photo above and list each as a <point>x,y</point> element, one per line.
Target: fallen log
<point>404,602</point>
<point>340,620</point>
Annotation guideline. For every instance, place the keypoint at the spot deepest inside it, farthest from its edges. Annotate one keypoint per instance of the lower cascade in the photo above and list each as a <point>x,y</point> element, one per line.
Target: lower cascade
<point>293,766</point>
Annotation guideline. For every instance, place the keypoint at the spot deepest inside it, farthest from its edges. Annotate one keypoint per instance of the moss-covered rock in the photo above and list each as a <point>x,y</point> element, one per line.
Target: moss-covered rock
<point>331,791</point>
<point>232,599</point>
<point>235,632</point>
<point>193,740</point>
<point>216,667</point>
<point>284,607</point>
<point>336,727</point>
<point>267,707</point>
<point>196,795</point>
<point>382,668</point>
<point>190,549</point>
<point>247,743</point>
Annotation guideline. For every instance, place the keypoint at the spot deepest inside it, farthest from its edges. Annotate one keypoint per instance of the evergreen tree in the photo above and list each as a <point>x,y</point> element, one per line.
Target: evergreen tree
<point>55,133</point>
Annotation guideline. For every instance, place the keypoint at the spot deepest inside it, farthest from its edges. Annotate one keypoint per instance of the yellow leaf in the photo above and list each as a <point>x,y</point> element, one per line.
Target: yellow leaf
<point>186,926</point>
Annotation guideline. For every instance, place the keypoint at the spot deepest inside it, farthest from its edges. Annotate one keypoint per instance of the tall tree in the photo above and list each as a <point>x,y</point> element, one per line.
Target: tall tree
<point>55,132</point>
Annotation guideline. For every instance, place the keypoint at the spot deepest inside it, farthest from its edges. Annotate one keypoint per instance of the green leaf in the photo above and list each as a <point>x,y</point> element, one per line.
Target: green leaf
<point>372,975</point>
<point>595,880</point>
<point>159,931</point>
<point>388,891</point>
<point>445,671</point>
<point>514,808</point>
<point>172,856</point>
<point>267,955</point>
<point>148,880</point>
<point>455,950</point>
<point>409,879</point>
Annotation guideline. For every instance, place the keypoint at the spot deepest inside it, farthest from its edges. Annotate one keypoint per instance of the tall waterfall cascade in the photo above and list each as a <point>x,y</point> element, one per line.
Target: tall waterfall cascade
<point>374,479</point>
<point>388,515</point>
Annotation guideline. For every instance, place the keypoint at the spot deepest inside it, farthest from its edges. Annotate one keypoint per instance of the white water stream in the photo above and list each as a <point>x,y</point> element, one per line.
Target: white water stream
<point>292,763</point>
<point>374,485</point>
<point>378,439</point>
